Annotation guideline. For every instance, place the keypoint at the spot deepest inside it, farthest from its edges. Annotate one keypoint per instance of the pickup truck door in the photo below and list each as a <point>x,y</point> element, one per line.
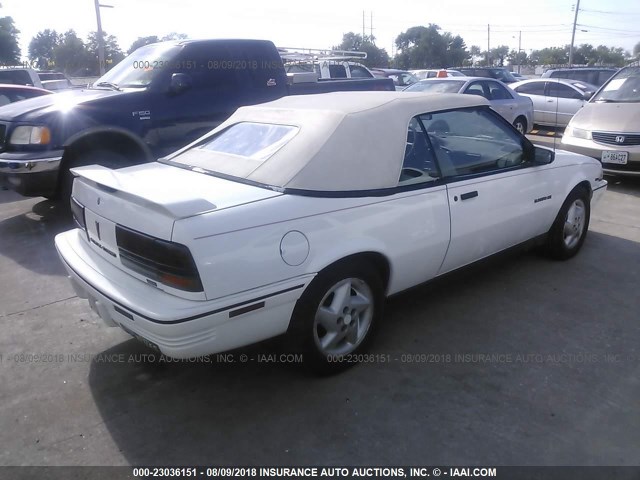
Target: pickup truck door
<point>216,80</point>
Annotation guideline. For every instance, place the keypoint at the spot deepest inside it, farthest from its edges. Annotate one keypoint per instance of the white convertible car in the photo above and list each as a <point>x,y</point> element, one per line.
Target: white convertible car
<point>301,215</point>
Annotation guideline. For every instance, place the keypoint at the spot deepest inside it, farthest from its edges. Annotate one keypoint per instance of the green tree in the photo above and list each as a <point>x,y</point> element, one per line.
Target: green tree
<point>9,48</point>
<point>636,50</point>
<point>551,56</point>
<point>518,58</point>
<point>42,48</point>
<point>71,56</point>
<point>141,42</point>
<point>425,47</point>
<point>376,57</point>
<point>498,55</point>
<point>112,52</point>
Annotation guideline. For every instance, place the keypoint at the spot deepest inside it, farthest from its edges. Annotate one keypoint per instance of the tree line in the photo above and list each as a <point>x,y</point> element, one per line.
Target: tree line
<point>429,47</point>
<point>417,47</point>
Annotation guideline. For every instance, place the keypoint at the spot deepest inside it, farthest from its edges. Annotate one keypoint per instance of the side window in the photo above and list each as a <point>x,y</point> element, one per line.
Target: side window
<point>477,88</point>
<point>358,72</point>
<point>563,91</point>
<point>337,71</point>
<point>533,88</point>
<point>209,68</point>
<point>498,92</point>
<point>419,164</point>
<point>472,141</point>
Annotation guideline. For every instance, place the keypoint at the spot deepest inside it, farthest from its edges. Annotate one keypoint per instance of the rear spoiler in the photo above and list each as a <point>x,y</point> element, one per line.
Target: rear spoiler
<point>120,185</point>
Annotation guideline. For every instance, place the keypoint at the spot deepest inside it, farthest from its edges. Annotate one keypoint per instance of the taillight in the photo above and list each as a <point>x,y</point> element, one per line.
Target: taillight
<point>77,210</point>
<point>161,261</point>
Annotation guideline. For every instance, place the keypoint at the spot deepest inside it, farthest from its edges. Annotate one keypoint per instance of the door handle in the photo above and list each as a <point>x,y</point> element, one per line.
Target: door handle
<point>468,195</point>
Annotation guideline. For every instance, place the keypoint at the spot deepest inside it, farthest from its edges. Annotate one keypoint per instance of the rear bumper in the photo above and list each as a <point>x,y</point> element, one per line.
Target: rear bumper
<point>29,174</point>
<point>177,327</point>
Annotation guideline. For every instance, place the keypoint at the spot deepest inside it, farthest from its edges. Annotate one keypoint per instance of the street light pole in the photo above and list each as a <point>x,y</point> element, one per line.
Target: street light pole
<point>573,33</point>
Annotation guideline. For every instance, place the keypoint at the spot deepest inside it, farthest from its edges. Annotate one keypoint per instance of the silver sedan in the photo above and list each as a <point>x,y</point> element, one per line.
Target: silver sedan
<point>518,110</point>
<point>555,100</point>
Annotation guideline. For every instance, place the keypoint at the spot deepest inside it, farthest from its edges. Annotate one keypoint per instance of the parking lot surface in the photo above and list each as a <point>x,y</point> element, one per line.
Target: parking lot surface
<point>517,361</point>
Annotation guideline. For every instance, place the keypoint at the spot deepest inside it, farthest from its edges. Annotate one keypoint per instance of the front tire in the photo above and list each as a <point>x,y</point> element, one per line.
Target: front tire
<point>569,230</point>
<point>337,316</point>
<point>106,158</point>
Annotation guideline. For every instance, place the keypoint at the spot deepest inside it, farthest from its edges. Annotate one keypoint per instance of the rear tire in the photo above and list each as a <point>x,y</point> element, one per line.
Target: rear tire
<point>334,321</point>
<point>521,125</point>
<point>570,227</point>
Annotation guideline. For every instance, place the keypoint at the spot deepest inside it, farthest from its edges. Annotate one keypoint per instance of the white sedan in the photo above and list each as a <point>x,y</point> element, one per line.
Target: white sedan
<point>518,110</point>
<point>300,216</point>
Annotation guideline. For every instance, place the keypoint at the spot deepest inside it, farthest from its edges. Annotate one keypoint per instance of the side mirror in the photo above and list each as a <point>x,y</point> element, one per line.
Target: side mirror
<point>179,83</point>
<point>542,156</point>
<point>587,95</point>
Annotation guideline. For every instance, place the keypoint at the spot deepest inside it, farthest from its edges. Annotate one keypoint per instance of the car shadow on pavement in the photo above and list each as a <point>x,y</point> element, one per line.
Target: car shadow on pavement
<point>415,395</point>
<point>27,238</point>
<point>626,185</point>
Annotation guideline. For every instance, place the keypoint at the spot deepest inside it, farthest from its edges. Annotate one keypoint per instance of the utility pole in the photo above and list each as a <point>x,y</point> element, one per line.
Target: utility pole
<point>488,43</point>
<point>519,48</point>
<point>573,33</point>
<point>363,27</point>
<point>100,36</point>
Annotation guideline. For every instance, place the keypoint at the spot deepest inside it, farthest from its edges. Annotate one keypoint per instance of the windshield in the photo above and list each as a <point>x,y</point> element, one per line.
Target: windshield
<point>436,86</point>
<point>624,87</point>
<point>139,68</point>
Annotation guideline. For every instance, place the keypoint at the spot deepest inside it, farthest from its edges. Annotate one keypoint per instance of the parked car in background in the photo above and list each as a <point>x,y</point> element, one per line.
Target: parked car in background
<point>15,93</point>
<point>232,240</point>
<point>555,101</point>
<point>401,78</point>
<point>593,75</point>
<point>55,81</point>
<point>433,73</point>
<point>20,76</point>
<point>608,126</point>
<point>516,109</point>
<point>158,99</point>
<point>499,73</point>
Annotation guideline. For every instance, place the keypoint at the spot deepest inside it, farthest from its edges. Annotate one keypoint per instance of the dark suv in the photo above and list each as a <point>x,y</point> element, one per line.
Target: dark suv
<point>499,73</point>
<point>594,75</point>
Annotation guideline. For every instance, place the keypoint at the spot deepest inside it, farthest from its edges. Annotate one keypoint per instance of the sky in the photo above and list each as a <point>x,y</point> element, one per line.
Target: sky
<point>534,24</point>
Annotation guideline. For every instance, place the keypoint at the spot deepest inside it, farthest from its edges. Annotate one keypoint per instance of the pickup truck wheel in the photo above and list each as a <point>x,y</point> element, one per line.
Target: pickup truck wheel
<point>337,316</point>
<point>105,158</point>
<point>569,230</point>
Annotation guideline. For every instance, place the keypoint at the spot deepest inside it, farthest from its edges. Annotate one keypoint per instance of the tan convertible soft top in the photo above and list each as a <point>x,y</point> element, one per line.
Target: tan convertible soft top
<point>346,140</point>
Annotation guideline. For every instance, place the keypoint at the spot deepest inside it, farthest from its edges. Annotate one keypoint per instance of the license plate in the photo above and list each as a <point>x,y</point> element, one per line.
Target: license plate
<point>615,157</point>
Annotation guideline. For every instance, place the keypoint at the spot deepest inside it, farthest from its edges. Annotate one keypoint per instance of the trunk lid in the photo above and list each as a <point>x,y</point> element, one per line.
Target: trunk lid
<point>148,199</point>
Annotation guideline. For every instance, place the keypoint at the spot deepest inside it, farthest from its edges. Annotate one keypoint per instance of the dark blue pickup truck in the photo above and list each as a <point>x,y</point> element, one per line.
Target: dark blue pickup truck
<point>158,99</point>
